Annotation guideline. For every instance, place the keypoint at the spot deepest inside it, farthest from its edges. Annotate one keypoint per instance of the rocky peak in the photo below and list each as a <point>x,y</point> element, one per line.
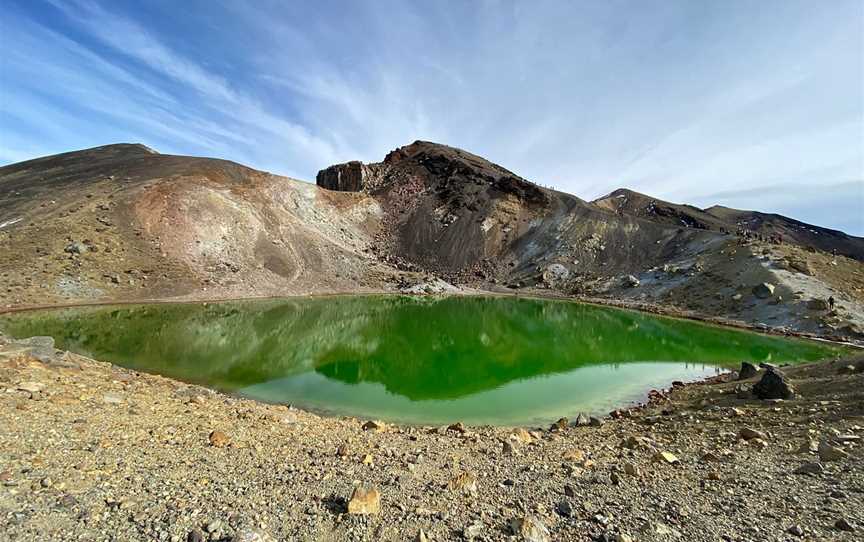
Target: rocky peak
<point>348,177</point>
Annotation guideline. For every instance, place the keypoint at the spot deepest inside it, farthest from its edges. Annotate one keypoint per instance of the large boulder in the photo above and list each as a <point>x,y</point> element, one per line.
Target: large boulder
<point>555,275</point>
<point>774,385</point>
<point>764,290</point>
<point>748,370</point>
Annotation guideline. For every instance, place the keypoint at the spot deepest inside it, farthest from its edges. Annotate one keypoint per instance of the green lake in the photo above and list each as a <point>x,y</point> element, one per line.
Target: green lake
<point>481,360</point>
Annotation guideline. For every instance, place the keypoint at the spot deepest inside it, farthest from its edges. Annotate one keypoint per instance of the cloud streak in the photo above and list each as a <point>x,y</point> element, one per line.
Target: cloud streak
<point>676,99</point>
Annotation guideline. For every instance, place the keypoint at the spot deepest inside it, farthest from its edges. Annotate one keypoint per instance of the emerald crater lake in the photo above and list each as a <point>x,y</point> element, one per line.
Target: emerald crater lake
<point>480,360</point>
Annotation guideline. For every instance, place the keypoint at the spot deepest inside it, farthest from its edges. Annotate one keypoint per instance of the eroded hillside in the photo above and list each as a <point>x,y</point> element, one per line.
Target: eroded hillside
<point>123,222</point>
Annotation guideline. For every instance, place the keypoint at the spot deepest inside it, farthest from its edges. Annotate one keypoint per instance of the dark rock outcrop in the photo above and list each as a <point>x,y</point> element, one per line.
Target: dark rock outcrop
<point>347,177</point>
<point>748,370</point>
<point>774,385</point>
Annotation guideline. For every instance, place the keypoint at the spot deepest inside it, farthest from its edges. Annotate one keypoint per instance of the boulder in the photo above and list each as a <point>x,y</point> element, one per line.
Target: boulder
<point>818,304</point>
<point>631,282</point>
<point>801,266</point>
<point>364,500</point>
<point>748,370</point>
<point>774,385</point>
<point>555,274</point>
<point>764,290</point>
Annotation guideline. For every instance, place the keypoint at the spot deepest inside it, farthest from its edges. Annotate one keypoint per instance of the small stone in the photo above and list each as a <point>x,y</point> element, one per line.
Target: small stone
<point>582,420</point>
<point>367,459</point>
<point>421,536</point>
<point>839,495</point>
<point>529,529</point>
<point>218,439</point>
<point>457,427</point>
<point>844,525</point>
<point>795,530</point>
<point>595,421</point>
<point>810,468</point>
<point>666,457</point>
<point>112,398</point>
<point>569,491</point>
<point>508,447</point>
<point>808,446</point>
<point>631,469</point>
<point>473,531</point>
<point>213,526</point>
<point>364,500</point>
<point>46,482</point>
<point>577,456</point>
<point>828,452</point>
<point>252,535</point>
<point>637,443</point>
<point>710,457</point>
<point>564,509</point>
<point>521,436</point>
<point>373,425</point>
<point>560,424</point>
<point>195,535</point>
<point>344,450</point>
<point>658,531</point>
<point>747,433</point>
<point>465,482</point>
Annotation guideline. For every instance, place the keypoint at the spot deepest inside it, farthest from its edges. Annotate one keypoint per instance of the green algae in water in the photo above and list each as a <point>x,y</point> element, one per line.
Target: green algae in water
<point>482,360</point>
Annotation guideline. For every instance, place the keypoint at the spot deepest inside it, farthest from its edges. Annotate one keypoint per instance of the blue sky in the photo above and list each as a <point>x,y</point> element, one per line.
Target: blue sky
<point>751,104</point>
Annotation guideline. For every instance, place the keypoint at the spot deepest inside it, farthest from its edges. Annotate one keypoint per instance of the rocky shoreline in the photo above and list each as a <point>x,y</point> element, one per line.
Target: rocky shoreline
<point>92,451</point>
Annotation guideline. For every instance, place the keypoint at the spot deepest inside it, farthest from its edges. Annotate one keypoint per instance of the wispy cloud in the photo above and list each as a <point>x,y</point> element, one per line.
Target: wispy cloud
<point>674,99</point>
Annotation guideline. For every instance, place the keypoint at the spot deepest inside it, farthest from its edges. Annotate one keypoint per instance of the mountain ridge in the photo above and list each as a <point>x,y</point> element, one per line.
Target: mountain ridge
<point>123,222</point>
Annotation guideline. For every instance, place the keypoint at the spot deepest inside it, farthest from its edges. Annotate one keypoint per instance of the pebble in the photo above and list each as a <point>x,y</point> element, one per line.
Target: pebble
<point>666,457</point>
<point>844,525</point>
<point>529,529</point>
<point>810,468</point>
<point>218,439</point>
<point>795,530</point>
<point>828,452</point>
<point>747,433</point>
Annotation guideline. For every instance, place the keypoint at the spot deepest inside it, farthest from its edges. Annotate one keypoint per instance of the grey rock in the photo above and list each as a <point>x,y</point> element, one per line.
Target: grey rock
<point>810,468</point>
<point>844,524</point>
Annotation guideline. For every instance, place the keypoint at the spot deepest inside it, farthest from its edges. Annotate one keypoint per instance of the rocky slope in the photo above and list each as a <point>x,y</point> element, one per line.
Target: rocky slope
<point>123,222</point>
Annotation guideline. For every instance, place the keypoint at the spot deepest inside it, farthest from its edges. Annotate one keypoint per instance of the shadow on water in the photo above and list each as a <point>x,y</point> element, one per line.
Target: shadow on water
<point>481,360</point>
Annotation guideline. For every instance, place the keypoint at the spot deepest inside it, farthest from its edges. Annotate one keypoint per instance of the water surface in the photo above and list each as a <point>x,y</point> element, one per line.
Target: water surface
<point>475,359</point>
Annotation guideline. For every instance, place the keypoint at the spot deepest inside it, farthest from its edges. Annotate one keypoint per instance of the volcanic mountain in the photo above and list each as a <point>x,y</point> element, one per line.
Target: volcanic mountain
<point>123,222</point>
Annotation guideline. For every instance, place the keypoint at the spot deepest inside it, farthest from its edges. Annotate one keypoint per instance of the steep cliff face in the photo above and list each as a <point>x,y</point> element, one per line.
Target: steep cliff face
<point>348,177</point>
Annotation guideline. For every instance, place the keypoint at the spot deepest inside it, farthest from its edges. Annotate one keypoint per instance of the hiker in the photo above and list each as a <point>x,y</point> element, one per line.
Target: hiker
<point>831,303</point>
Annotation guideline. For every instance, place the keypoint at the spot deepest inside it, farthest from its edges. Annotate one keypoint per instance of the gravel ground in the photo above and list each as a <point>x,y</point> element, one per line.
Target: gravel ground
<point>91,451</point>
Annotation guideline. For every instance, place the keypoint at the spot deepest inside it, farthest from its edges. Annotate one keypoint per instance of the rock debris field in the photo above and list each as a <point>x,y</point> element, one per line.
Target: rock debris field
<point>90,451</point>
